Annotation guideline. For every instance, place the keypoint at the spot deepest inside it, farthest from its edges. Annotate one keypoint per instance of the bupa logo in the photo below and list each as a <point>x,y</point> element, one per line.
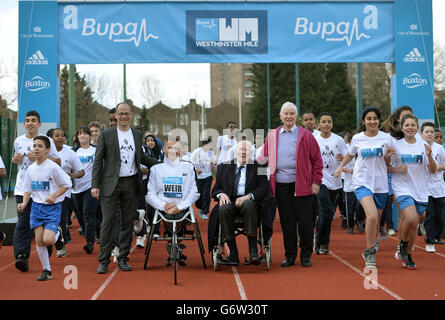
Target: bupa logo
<point>37,59</point>
<point>414,80</point>
<point>37,83</point>
<point>114,31</point>
<point>414,56</point>
<point>341,31</point>
<point>226,32</point>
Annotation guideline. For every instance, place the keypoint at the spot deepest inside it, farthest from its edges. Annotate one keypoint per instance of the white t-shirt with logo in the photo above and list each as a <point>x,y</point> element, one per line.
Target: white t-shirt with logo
<point>45,179</point>
<point>127,152</point>
<point>70,163</point>
<point>329,149</point>
<point>347,177</point>
<point>23,145</point>
<point>224,145</point>
<point>86,157</point>
<point>414,182</point>
<point>370,166</point>
<point>436,184</point>
<point>202,161</point>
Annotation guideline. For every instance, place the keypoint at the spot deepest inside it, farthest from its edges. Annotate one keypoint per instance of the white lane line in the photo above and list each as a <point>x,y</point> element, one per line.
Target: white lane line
<point>107,281</point>
<point>393,294</point>
<point>104,285</point>
<point>239,284</point>
<point>238,281</point>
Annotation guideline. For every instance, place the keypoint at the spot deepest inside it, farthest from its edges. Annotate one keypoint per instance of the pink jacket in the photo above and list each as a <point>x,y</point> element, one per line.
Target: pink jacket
<point>309,163</point>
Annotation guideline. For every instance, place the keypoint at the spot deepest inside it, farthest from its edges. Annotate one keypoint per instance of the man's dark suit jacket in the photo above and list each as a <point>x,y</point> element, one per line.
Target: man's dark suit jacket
<point>107,161</point>
<point>255,184</point>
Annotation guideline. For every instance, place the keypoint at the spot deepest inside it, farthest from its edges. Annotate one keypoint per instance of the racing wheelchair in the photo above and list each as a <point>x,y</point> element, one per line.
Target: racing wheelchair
<point>176,231</point>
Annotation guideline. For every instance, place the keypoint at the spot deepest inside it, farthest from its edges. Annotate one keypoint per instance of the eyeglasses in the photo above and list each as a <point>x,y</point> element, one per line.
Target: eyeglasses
<point>124,114</point>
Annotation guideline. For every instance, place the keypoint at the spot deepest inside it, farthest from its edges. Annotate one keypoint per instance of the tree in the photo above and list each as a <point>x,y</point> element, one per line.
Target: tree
<point>151,89</point>
<point>439,66</point>
<point>323,87</point>
<point>85,106</point>
<point>144,122</point>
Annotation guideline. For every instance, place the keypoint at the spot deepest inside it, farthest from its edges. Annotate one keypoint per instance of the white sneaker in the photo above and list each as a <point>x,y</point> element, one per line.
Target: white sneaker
<point>61,253</point>
<point>430,248</point>
<point>391,232</point>
<point>139,223</point>
<point>115,254</point>
<point>140,241</point>
<point>203,216</point>
<point>156,235</point>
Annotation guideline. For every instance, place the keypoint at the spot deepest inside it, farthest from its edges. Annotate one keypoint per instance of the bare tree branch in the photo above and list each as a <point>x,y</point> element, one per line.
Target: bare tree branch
<point>151,89</point>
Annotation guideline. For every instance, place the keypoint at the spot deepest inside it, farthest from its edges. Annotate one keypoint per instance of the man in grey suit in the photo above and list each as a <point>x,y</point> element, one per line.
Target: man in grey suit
<point>117,179</point>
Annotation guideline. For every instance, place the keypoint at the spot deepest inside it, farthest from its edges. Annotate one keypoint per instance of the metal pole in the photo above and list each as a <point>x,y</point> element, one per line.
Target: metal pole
<point>125,82</point>
<point>297,87</point>
<point>268,96</point>
<point>359,94</point>
<point>72,101</point>
<point>239,110</point>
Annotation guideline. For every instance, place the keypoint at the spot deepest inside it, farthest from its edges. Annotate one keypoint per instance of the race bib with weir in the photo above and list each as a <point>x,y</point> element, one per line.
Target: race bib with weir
<point>173,187</point>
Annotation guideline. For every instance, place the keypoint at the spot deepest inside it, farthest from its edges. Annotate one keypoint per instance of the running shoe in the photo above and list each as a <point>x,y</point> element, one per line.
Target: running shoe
<point>403,251</point>
<point>140,241</point>
<point>45,275</point>
<point>383,234</point>
<point>409,264</point>
<point>370,257</point>
<point>397,254</point>
<point>376,244</point>
<point>60,241</point>
<point>430,247</point>
<point>61,253</point>
<point>391,232</point>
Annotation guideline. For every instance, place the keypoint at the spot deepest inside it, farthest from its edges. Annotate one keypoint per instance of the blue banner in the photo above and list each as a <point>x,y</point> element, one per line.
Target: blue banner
<point>414,56</point>
<point>37,61</point>
<point>162,32</point>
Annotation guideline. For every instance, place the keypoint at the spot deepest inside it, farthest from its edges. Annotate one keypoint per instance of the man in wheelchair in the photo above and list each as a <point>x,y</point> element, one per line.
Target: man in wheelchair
<point>240,189</point>
<point>172,188</point>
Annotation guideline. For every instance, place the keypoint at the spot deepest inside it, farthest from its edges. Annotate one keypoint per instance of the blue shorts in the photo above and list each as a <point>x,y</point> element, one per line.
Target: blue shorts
<point>406,201</point>
<point>379,198</point>
<point>47,215</point>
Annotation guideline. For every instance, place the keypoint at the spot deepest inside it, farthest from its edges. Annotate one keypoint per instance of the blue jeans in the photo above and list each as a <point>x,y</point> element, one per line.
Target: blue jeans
<point>23,233</point>
<point>327,205</point>
<point>87,206</point>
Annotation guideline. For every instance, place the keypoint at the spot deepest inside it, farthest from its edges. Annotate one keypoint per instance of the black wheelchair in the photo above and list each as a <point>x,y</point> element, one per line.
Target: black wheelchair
<point>265,245</point>
<point>176,231</point>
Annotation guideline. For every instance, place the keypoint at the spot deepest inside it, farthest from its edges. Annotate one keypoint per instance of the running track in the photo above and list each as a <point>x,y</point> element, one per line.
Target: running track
<point>337,276</point>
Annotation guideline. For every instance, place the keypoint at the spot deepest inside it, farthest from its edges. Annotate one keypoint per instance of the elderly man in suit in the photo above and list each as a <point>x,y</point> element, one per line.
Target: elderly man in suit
<point>240,189</point>
<point>117,179</point>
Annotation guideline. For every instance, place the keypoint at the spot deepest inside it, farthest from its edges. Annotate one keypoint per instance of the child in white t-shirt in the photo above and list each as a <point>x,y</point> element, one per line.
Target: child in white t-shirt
<point>333,149</point>
<point>24,157</point>
<point>46,183</point>
<point>369,177</point>
<point>435,210</point>
<point>410,165</point>
<point>86,205</point>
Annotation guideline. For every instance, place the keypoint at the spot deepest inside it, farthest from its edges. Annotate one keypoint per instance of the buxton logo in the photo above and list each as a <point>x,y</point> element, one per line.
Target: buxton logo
<point>37,83</point>
<point>135,32</point>
<point>37,59</point>
<point>226,32</point>
<point>414,80</point>
<point>340,31</point>
<point>414,56</point>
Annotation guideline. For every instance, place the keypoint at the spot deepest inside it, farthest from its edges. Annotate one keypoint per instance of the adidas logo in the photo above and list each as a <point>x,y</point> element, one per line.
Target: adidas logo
<point>414,56</point>
<point>37,58</point>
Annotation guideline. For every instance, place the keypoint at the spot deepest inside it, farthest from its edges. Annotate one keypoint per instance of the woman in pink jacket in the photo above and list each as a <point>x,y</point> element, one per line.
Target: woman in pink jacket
<point>295,163</point>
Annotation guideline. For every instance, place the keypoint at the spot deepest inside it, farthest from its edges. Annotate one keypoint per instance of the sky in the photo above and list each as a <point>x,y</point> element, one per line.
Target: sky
<point>179,82</point>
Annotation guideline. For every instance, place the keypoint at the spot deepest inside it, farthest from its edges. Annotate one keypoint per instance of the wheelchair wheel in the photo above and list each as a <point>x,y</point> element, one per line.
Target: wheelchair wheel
<point>174,255</point>
<point>268,254</point>
<point>215,259</point>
